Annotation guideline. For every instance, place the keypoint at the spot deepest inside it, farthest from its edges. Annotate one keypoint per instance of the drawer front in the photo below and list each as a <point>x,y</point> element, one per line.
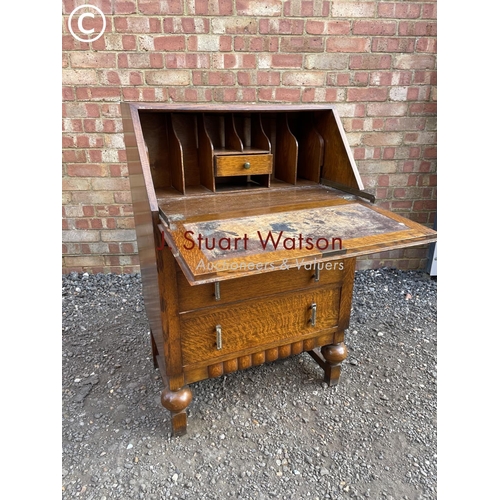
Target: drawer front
<point>256,324</point>
<point>256,285</point>
<point>243,165</point>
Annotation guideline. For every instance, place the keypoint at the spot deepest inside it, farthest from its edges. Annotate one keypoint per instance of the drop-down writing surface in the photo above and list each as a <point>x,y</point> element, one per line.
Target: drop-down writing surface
<point>213,247</point>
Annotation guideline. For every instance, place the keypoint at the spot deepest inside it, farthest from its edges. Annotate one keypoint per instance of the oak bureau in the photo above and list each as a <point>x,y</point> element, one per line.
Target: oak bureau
<point>249,219</point>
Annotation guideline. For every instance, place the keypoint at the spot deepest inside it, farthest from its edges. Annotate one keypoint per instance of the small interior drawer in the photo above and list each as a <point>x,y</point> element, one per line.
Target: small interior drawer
<point>226,166</point>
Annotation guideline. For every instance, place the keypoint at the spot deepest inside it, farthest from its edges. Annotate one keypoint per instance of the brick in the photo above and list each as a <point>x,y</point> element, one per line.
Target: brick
<point>302,44</point>
<point>137,25</point>
<point>326,61</point>
<point>306,8</point>
<point>92,60</point>
<point>211,7</point>
<point>258,8</point>
<point>381,44</point>
<point>353,9</point>
<point>190,94</point>
<point>185,60</point>
<point>287,95</point>
<point>405,123</point>
<point>170,42</point>
<point>268,78</point>
<point>360,79</point>
<point>386,109</point>
<point>139,60</point>
<point>124,7</point>
<point>185,25</point>
<point>84,262</point>
<point>171,77</point>
<point>379,167</point>
<point>118,235</point>
<point>308,78</point>
<point>246,78</point>
<point>86,170</point>
<point>389,78</point>
<point>422,109</point>
<point>79,77</point>
<point>281,26</point>
<point>245,61</point>
<point>119,42</point>
<point>76,109</point>
<point>99,94</point>
<point>74,235</point>
<point>122,77</point>
<point>206,43</point>
<point>368,94</point>
<point>427,45</point>
<point>110,184</point>
<point>315,27</point>
<point>382,139</point>
<point>74,156</point>
<point>160,7</point>
<point>235,94</point>
<point>219,78</point>
<point>286,61</point>
<point>234,25</point>
<point>407,61</point>
<point>429,11</point>
<point>68,94</point>
<point>321,95</point>
<point>374,28</point>
<point>370,62</point>
<point>75,184</point>
<point>256,44</point>
<point>344,44</point>
<point>417,28</point>
<point>407,10</point>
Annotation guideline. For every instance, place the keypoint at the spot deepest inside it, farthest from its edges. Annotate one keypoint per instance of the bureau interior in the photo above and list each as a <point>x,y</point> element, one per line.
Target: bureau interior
<point>214,151</point>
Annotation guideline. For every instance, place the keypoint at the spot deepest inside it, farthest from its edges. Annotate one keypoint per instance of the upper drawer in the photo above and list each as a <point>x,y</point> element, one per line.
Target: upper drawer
<point>256,285</point>
<point>226,166</point>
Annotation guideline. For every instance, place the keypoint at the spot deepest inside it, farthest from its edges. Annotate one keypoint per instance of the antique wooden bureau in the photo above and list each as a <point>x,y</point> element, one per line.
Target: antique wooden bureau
<point>249,220</point>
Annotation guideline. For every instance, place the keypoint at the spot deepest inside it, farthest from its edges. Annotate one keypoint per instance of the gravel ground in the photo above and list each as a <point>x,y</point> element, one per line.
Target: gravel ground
<point>270,432</point>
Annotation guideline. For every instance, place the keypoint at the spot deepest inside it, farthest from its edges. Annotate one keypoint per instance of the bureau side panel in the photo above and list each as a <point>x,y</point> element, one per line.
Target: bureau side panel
<point>145,218</point>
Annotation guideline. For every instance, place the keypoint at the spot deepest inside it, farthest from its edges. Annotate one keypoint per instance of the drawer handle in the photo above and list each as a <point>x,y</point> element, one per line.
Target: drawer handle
<point>217,290</point>
<point>218,337</point>
<point>313,314</point>
<point>316,272</point>
<point>246,165</point>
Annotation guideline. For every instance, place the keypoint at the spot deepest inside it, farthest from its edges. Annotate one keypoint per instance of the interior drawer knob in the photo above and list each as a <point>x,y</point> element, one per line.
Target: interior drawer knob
<point>246,165</point>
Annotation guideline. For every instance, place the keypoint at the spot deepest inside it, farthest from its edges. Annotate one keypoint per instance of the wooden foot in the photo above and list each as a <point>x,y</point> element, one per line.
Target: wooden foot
<point>177,402</point>
<point>330,359</point>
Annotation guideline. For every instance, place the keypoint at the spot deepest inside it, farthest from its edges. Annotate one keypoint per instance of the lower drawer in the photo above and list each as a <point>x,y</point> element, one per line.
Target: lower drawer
<point>257,323</point>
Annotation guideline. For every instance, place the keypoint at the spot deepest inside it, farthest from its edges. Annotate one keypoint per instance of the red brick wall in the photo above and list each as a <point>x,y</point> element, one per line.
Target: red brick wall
<point>376,60</point>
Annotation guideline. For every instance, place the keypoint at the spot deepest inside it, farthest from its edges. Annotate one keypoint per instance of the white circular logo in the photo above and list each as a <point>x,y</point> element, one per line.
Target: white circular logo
<point>81,18</point>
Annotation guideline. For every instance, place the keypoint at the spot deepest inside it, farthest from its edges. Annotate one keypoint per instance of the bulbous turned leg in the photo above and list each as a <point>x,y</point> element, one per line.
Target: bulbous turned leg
<point>177,402</point>
<point>334,354</point>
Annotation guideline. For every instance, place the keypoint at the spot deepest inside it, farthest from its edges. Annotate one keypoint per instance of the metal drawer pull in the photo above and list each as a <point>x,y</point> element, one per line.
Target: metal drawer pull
<point>218,337</point>
<point>316,272</point>
<point>217,290</point>
<point>313,315</point>
<point>246,165</point>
